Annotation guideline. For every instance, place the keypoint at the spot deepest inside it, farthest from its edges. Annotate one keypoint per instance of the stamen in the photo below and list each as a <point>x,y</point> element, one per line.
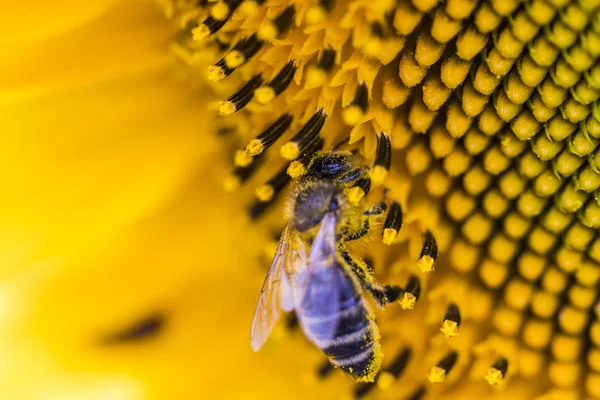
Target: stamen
<point>429,253</point>
<point>497,372</point>
<point>451,321</point>
<point>241,159</point>
<point>392,224</point>
<point>419,394</point>
<point>298,167</point>
<point>239,99</point>
<point>391,373</point>
<point>273,132</point>
<point>383,159</point>
<point>373,45</point>
<point>355,112</point>
<point>357,192</point>
<point>318,12</point>
<point>273,186</point>
<point>249,8</point>
<point>239,54</point>
<point>240,175</point>
<point>223,9</point>
<point>278,84</point>
<point>270,30</point>
<point>325,369</point>
<point>220,14</point>
<point>308,134</point>
<point>439,372</point>
<point>317,74</point>
<point>411,293</point>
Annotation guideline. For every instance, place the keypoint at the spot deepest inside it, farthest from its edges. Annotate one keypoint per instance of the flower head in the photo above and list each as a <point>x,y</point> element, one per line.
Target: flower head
<point>491,108</point>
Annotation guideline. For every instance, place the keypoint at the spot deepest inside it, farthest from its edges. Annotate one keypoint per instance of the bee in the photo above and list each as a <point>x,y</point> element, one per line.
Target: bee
<point>312,271</point>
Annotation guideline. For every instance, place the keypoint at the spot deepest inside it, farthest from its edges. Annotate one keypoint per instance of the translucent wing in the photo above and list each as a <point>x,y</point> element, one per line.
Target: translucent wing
<point>276,294</point>
<point>318,287</point>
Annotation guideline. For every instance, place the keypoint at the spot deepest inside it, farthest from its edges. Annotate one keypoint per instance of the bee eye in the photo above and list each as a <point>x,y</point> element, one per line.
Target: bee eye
<point>143,329</point>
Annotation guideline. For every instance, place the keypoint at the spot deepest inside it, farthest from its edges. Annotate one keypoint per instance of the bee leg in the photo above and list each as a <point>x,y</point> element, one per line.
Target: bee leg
<point>376,209</point>
<point>349,236</point>
<point>381,294</point>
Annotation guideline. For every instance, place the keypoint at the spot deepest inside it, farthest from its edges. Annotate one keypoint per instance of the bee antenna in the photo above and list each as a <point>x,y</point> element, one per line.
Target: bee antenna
<point>340,143</point>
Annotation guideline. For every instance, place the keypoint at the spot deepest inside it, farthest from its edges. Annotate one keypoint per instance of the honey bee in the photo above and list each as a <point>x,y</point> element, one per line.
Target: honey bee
<point>312,271</point>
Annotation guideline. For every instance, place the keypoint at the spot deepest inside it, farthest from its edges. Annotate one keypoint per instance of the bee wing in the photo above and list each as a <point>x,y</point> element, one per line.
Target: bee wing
<point>321,280</point>
<point>276,293</point>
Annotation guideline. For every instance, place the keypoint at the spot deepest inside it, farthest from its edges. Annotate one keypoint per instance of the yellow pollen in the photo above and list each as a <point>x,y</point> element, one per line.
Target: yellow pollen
<point>241,159</point>
<point>254,147</point>
<point>201,32</point>
<point>231,184</point>
<point>437,375</point>
<point>385,380</point>
<point>295,169</point>
<point>352,115</point>
<point>355,195</point>
<point>226,108</point>
<point>289,151</point>
<point>315,14</point>
<point>389,236</point>
<point>264,95</point>
<point>215,74</point>
<point>426,264</point>
<point>267,31</point>
<point>248,8</point>
<point>315,77</point>
<point>493,376</point>
<point>449,328</point>
<point>219,11</point>
<point>407,301</point>
<point>234,59</point>
<point>265,193</point>
<point>378,175</point>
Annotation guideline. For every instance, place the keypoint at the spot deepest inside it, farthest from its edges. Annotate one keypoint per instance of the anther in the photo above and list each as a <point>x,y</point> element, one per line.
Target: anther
<point>218,71</point>
<point>496,373</point>
<point>267,137</point>
<point>270,30</point>
<point>325,369</point>
<point>438,373</point>
<point>219,15</point>
<point>243,51</point>
<point>317,13</point>
<point>372,46</point>
<point>391,373</point>
<point>392,224</point>
<point>429,253</point>
<point>240,175</point>
<point>239,99</point>
<point>357,192</point>
<point>273,186</point>
<point>383,159</point>
<point>451,321</point>
<point>249,8</point>
<point>298,167</point>
<point>411,293</point>
<point>316,75</point>
<point>419,394</point>
<point>306,136</point>
<point>277,85</point>
<point>355,112</point>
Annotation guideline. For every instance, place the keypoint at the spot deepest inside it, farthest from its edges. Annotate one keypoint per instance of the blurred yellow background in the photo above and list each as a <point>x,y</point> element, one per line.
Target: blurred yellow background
<point>112,211</point>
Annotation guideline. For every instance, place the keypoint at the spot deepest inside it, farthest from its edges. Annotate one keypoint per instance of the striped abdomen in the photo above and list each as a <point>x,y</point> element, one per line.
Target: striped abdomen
<point>355,346</point>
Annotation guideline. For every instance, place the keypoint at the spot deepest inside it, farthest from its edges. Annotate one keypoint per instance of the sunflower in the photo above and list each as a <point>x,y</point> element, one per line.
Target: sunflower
<point>130,272</point>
